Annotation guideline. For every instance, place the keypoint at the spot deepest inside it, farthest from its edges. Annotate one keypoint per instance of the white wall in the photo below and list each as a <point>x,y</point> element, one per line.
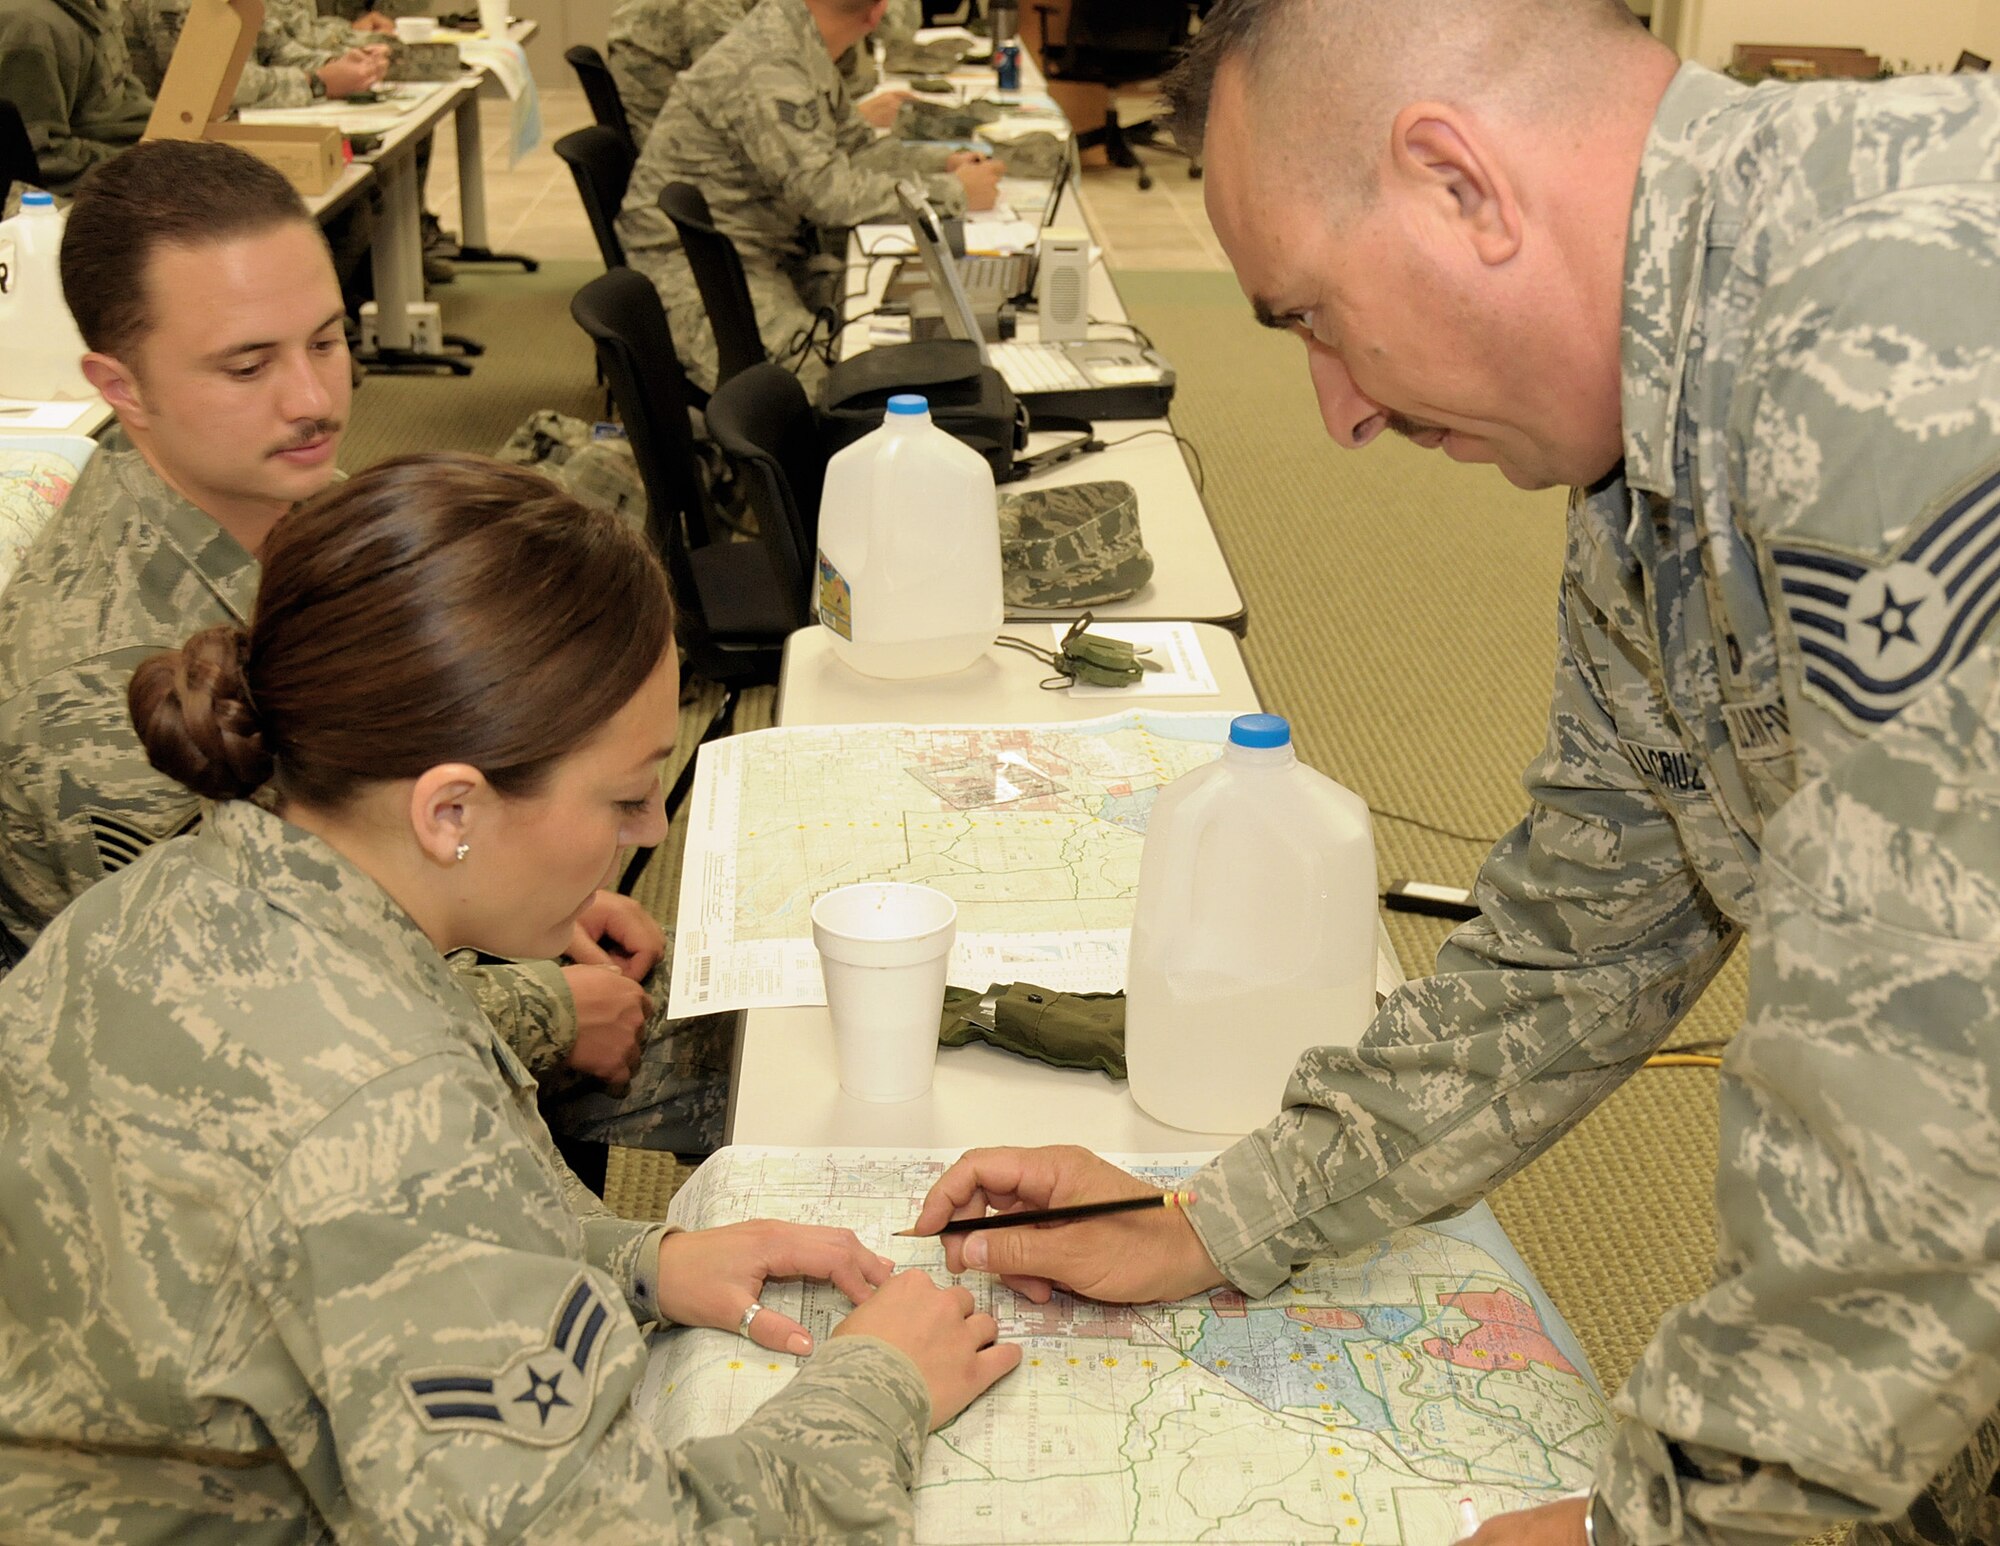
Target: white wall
<point>1926,33</point>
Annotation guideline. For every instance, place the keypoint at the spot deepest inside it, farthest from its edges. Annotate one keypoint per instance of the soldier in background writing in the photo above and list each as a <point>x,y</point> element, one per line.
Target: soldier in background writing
<point>1760,333</point>
<point>290,1254</point>
<point>298,58</point>
<point>204,290</point>
<point>762,125</point>
<point>653,41</point>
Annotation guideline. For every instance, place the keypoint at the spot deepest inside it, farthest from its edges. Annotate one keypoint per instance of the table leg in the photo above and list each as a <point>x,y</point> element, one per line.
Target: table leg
<point>398,254</point>
<point>471,171</point>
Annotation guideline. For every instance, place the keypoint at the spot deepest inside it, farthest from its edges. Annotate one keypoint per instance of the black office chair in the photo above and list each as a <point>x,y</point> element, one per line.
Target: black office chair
<point>718,274</point>
<point>734,610</point>
<point>765,424</point>
<point>600,90</point>
<point>600,159</point>
<point>18,163</point>
<point>1115,43</point>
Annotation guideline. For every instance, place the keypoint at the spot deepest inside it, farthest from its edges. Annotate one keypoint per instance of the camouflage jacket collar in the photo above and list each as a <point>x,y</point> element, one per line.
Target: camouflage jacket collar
<point>810,46</point>
<point>1671,206</point>
<point>304,878</point>
<point>224,564</point>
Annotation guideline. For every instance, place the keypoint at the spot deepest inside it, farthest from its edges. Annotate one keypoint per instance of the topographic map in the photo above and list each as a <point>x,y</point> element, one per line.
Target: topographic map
<point>1360,1403</point>
<point>1034,830</point>
<point>33,482</point>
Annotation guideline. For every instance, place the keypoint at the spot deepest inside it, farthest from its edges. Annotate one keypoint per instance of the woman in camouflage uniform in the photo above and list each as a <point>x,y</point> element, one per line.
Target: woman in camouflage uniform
<point>288,1252</point>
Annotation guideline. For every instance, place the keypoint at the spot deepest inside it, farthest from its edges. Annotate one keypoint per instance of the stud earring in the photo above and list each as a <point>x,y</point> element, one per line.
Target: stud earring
<point>463,850</point>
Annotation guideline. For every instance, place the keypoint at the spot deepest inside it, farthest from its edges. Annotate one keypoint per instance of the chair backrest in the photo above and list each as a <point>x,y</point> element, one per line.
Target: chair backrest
<point>765,424</point>
<point>600,90</point>
<point>18,163</point>
<point>600,159</point>
<point>718,274</point>
<point>734,617</point>
<point>1119,41</point>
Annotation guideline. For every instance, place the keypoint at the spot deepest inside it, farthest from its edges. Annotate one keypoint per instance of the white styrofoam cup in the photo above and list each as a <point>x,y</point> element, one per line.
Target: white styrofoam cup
<point>883,950</point>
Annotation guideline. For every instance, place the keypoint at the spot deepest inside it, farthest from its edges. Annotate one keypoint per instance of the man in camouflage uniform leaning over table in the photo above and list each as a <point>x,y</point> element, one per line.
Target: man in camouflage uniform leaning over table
<point>762,125</point>
<point>1760,331</point>
<point>158,539</point>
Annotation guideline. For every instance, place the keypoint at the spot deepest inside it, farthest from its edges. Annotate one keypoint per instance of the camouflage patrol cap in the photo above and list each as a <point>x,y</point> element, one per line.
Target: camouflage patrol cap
<point>912,58</point>
<point>1073,546</point>
<point>943,120</point>
<point>432,61</point>
<point>1034,153</point>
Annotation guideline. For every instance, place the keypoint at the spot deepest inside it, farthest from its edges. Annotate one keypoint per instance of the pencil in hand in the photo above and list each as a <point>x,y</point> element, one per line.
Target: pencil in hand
<point>1082,1210</point>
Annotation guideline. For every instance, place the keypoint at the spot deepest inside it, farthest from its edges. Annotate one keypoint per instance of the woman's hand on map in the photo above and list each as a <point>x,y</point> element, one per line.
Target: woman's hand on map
<point>709,1277</point>
<point>1553,1524</point>
<point>1126,1258</point>
<point>944,1334</point>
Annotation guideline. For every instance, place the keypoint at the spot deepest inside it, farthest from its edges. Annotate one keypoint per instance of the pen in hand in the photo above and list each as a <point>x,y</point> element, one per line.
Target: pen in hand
<point>1084,1210</point>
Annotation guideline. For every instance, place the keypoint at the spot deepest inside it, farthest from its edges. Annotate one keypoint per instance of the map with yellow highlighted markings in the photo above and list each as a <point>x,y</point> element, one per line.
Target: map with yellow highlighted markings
<point>1034,830</point>
<point>1360,1403</point>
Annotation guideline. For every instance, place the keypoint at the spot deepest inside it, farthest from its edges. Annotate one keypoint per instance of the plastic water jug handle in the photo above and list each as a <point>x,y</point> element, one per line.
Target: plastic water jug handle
<point>1177,878</point>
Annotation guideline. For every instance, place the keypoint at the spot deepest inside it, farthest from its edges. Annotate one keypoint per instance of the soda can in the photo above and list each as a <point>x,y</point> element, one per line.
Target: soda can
<point>1010,68</point>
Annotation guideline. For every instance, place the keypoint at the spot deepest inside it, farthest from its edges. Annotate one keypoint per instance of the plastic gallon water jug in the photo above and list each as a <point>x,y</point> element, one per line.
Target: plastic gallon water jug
<point>909,549</point>
<point>1254,936</point>
<point>41,349</point>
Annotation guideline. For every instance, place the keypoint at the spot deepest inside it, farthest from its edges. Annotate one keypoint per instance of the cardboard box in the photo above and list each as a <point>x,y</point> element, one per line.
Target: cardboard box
<point>193,99</point>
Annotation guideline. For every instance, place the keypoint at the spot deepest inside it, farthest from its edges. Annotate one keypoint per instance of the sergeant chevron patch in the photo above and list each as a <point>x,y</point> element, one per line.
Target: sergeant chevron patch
<point>538,1397</point>
<point>1875,636</point>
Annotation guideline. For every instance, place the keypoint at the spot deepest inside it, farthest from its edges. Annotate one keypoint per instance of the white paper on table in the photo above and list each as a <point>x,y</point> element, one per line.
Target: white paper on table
<point>19,413</point>
<point>983,233</point>
<point>400,98</point>
<point>1175,645</point>
<point>940,34</point>
<point>507,62</point>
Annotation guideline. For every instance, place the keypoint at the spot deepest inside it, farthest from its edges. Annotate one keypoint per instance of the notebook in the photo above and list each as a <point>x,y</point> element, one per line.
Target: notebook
<point>1096,378</point>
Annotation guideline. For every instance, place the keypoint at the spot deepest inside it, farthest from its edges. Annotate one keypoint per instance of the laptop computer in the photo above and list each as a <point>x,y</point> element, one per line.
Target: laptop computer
<point>1095,378</point>
<point>991,279</point>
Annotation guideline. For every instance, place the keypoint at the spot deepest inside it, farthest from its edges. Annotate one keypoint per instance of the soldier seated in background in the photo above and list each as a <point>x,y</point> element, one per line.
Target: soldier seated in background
<point>653,41</point>
<point>297,59</point>
<point>762,125</point>
<point>205,292</point>
<point>289,1253</point>
<point>63,64</point>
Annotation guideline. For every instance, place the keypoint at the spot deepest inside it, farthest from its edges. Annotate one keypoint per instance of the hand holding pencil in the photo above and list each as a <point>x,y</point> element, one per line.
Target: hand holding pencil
<point>1135,1251</point>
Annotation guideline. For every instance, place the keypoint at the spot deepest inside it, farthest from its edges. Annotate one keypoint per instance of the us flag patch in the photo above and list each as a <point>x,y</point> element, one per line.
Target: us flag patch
<point>1873,638</point>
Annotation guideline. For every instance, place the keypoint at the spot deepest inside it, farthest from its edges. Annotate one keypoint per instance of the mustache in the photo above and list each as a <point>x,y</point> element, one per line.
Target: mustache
<point>307,433</point>
<point>1410,428</point>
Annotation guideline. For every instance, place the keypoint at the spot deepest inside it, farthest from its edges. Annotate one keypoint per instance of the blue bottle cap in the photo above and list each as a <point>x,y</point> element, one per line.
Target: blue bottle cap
<point>909,402</point>
<point>38,201</point>
<point>1260,730</point>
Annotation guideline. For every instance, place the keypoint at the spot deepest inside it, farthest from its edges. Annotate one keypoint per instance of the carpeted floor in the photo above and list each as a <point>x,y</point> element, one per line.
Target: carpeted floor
<point>1401,614</point>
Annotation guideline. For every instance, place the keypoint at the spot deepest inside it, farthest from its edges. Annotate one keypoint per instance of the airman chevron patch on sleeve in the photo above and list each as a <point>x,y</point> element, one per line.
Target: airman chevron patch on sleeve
<point>1873,637</point>
<point>540,1396</point>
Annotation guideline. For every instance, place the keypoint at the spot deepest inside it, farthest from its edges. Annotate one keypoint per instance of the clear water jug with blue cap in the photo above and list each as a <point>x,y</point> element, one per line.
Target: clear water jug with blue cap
<point>41,348</point>
<point>908,576</point>
<point>1254,934</point>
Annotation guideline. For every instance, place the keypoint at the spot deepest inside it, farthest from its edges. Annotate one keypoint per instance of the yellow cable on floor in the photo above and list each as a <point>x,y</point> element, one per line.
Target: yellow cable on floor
<point>1683,1060</point>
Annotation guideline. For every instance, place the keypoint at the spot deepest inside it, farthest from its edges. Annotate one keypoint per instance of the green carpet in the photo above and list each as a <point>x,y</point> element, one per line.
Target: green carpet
<point>1402,616</point>
<point>536,357</point>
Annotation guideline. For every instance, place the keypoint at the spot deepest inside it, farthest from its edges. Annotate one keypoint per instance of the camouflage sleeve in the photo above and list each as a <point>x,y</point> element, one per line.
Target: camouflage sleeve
<point>470,1378</point>
<point>1851,1345</point>
<point>799,145</point>
<point>74,119</point>
<point>527,1002</point>
<point>897,157</point>
<point>273,76</point>
<point>1593,940</point>
<point>77,796</point>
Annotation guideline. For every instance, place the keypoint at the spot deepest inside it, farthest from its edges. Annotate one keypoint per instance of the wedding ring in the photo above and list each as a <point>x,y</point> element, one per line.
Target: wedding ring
<point>749,1315</point>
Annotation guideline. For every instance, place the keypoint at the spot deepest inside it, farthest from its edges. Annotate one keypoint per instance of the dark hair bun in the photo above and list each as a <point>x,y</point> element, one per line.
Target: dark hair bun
<point>194,715</point>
